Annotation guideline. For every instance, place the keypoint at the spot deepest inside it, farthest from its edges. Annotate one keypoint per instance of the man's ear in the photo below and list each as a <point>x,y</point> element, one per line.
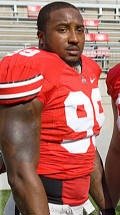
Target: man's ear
<point>40,35</point>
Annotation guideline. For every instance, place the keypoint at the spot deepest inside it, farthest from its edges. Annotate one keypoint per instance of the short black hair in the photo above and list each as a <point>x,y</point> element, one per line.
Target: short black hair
<point>44,13</point>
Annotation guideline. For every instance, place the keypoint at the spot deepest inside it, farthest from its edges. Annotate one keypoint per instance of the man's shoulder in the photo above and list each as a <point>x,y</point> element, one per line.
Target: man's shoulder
<point>23,73</point>
<point>113,74</point>
<point>90,61</point>
<point>26,63</point>
<point>91,66</point>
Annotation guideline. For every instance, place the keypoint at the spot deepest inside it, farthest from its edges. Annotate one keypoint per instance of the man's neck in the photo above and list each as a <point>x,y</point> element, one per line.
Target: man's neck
<point>72,64</point>
<point>76,65</point>
<point>78,68</point>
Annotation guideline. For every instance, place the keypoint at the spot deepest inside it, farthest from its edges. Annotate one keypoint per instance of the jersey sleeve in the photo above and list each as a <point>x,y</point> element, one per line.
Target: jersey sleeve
<point>113,82</point>
<point>23,77</point>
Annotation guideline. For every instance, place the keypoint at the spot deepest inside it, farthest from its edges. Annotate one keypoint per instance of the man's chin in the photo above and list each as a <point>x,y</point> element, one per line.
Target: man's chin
<point>72,63</point>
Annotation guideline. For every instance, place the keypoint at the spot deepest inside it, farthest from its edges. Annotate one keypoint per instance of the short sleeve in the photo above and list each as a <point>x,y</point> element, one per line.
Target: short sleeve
<point>22,77</point>
<point>113,82</point>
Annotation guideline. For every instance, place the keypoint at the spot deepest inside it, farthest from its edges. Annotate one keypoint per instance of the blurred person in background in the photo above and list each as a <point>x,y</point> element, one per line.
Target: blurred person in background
<point>112,165</point>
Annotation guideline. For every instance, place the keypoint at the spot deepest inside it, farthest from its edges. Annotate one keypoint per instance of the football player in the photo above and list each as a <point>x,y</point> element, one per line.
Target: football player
<point>50,114</point>
<point>113,157</point>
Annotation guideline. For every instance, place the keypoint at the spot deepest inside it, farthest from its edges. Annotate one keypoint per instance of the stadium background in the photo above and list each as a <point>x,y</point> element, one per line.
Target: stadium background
<point>102,18</point>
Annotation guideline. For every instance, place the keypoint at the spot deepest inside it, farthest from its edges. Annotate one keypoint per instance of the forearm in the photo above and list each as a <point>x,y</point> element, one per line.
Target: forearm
<point>96,190</point>
<point>29,193</point>
<point>20,144</point>
<point>98,187</point>
<point>112,174</point>
<point>112,164</point>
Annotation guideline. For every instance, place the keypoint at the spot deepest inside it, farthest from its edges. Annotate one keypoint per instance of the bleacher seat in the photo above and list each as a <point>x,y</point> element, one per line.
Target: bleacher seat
<point>96,37</point>
<point>103,54</point>
<point>18,29</point>
<point>89,37</point>
<point>100,37</point>
<point>103,51</point>
<point>33,10</point>
<point>91,23</point>
<point>90,52</point>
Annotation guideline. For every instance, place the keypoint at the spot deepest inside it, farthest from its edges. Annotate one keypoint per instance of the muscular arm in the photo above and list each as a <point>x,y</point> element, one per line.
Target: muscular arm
<point>20,145</point>
<point>98,188</point>
<point>112,165</point>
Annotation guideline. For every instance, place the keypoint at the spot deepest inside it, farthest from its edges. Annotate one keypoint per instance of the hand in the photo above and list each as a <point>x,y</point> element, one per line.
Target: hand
<point>108,211</point>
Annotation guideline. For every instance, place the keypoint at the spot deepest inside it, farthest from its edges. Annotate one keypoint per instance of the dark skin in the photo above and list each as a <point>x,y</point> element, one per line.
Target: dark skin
<point>21,124</point>
<point>98,187</point>
<point>21,154</point>
<point>112,164</point>
<point>66,35</point>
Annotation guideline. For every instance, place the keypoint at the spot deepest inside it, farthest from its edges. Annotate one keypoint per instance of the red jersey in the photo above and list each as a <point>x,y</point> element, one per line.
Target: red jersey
<point>113,82</point>
<point>113,87</point>
<point>72,114</point>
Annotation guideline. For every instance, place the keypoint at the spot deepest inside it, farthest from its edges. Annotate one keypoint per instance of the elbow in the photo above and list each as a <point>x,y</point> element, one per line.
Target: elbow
<point>16,178</point>
<point>21,177</point>
<point>14,181</point>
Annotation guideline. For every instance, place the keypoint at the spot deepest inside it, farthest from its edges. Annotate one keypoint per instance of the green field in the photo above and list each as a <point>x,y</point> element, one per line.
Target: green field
<point>4,195</point>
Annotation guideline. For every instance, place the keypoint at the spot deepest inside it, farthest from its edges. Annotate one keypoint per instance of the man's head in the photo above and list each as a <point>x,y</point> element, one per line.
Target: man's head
<point>61,30</point>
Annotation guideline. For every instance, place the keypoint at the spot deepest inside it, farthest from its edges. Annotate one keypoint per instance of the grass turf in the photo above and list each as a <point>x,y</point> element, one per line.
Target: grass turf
<point>4,195</point>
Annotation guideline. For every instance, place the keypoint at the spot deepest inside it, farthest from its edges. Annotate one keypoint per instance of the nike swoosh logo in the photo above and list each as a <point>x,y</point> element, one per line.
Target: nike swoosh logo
<point>92,80</point>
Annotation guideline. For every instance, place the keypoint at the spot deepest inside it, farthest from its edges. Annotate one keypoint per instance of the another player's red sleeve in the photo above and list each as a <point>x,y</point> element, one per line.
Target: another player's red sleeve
<point>113,82</point>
